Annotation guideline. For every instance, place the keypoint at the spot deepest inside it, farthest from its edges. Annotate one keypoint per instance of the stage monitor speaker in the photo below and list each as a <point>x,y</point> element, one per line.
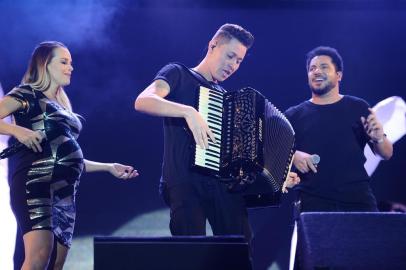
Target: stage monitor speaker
<point>167,253</point>
<point>352,241</point>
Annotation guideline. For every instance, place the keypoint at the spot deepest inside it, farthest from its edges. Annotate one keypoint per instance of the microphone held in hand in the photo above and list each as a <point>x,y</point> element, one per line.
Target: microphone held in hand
<point>315,159</point>
<point>17,147</point>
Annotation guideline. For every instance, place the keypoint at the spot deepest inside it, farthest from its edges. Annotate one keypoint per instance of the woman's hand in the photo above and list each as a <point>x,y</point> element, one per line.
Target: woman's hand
<point>31,139</point>
<point>122,171</point>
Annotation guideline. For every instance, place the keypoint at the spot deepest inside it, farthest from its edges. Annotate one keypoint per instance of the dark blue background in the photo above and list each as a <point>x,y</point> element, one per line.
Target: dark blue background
<point>118,46</point>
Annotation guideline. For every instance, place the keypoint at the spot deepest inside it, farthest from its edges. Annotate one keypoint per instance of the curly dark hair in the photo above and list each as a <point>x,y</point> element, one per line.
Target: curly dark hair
<point>328,51</point>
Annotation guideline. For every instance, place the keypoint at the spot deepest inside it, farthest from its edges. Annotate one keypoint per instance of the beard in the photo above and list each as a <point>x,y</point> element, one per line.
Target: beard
<point>320,91</point>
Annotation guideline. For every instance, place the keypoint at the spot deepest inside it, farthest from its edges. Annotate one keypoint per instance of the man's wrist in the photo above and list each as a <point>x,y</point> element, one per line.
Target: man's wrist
<point>379,141</point>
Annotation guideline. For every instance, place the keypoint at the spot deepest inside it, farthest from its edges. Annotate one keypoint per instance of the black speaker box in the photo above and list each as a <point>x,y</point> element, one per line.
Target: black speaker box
<point>177,253</point>
<point>352,241</point>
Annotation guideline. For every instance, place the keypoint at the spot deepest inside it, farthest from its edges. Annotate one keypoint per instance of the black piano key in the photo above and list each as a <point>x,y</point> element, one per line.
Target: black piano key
<point>210,114</point>
<point>215,101</point>
<point>210,162</point>
<point>214,145</point>
<point>213,154</point>
<point>216,106</point>
<point>216,123</point>
<point>216,95</point>
<point>214,168</point>
<point>217,135</point>
<point>215,128</point>
<point>214,116</point>
<point>206,157</point>
<point>211,107</point>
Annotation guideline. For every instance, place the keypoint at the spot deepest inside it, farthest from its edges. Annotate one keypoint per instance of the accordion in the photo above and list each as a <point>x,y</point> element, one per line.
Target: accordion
<point>254,144</point>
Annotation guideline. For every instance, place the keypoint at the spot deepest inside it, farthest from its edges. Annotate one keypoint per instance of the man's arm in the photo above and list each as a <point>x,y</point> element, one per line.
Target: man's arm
<point>152,101</point>
<point>381,145</point>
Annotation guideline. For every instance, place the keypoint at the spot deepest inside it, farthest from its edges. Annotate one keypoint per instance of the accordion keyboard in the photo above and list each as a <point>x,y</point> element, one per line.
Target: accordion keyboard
<point>211,109</point>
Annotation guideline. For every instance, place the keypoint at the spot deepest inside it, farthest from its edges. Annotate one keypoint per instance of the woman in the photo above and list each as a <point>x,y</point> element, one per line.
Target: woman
<point>46,174</point>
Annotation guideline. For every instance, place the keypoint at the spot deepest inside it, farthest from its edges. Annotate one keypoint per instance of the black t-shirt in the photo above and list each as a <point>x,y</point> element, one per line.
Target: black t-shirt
<point>178,140</point>
<point>336,134</point>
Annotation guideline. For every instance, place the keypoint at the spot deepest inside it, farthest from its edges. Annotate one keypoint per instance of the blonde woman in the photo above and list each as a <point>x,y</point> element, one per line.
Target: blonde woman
<point>46,176</point>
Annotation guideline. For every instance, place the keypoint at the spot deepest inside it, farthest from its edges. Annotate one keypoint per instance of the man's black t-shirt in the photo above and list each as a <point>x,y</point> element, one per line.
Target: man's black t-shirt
<point>336,134</point>
<point>178,140</point>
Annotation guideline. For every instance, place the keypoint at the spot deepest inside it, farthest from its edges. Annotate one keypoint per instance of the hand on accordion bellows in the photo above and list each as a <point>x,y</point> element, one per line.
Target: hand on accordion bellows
<point>304,162</point>
<point>292,180</point>
<point>122,171</point>
<point>200,130</point>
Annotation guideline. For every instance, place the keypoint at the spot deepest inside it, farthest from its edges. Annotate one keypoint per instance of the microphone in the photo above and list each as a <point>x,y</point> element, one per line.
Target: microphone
<point>11,150</point>
<point>315,159</point>
<point>17,147</point>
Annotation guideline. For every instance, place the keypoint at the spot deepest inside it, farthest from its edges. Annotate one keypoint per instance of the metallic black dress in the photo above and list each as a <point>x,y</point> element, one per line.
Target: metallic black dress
<point>43,185</point>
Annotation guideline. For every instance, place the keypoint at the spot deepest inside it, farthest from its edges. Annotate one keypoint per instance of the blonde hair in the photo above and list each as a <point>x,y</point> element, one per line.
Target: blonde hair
<point>37,75</point>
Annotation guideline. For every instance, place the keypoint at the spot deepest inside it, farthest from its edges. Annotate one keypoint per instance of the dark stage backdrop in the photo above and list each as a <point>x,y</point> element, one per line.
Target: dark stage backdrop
<point>118,46</point>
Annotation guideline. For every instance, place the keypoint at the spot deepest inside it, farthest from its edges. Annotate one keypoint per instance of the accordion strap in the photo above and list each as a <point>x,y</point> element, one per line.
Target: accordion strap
<point>200,79</point>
